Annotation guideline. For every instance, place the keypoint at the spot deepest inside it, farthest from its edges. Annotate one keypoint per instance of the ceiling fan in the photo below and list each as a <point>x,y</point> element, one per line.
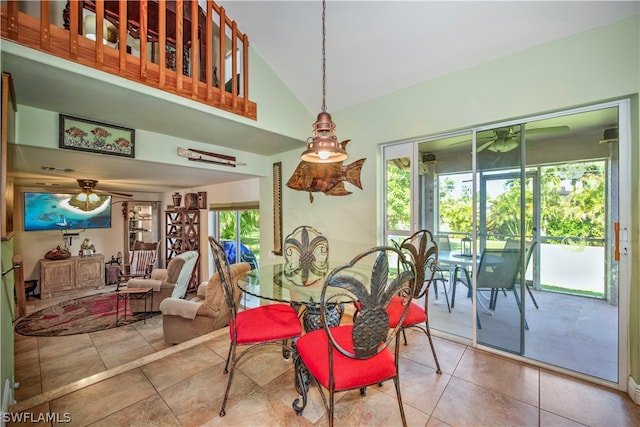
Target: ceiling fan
<point>89,198</point>
<point>89,186</point>
<point>501,140</point>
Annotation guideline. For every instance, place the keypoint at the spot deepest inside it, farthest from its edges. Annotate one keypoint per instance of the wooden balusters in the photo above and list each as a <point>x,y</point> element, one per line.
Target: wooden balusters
<point>209,53</point>
<point>122,38</point>
<point>162,42</point>
<point>234,65</point>
<point>99,46</point>
<point>199,46</point>
<point>44,25</point>
<point>12,17</point>
<point>73,29</point>
<point>221,70</point>
<point>245,71</point>
<point>142,21</point>
<point>195,49</point>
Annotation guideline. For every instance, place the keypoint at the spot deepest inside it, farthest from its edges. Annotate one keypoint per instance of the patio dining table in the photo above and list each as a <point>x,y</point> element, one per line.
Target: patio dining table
<point>459,262</point>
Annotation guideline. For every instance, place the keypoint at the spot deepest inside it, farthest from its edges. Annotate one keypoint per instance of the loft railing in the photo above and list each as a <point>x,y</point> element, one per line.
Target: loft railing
<point>177,57</point>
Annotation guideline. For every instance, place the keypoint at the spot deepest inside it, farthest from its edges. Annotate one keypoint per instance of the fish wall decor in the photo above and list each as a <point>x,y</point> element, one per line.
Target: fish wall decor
<point>328,178</point>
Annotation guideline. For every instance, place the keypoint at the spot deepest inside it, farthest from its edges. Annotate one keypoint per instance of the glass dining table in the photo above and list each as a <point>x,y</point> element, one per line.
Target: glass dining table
<point>297,284</point>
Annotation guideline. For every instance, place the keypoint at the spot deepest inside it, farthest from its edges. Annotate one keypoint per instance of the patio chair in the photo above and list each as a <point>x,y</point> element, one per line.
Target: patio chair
<point>272,324</point>
<point>442,272</point>
<point>423,252</point>
<point>529,247</point>
<point>355,356</point>
<point>497,270</point>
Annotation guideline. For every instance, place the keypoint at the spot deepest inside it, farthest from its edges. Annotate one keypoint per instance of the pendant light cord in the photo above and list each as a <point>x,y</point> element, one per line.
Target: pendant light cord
<point>324,60</point>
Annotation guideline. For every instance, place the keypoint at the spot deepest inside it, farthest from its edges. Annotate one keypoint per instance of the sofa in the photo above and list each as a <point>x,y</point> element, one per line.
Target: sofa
<point>172,281</point>
<point>183,319</point>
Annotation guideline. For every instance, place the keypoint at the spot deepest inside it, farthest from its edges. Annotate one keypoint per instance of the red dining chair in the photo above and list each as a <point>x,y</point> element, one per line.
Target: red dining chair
<point>273,324</point>
<point>355,356</point>
<point>423,252</point>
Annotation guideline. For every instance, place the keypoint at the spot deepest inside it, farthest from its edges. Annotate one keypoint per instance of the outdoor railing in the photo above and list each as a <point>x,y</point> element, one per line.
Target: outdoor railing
<point>177,57</point>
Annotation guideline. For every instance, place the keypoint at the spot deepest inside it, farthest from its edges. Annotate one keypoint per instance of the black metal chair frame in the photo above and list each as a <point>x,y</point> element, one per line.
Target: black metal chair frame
<point>306,253</point>
<point>371,332</point>
<point>306,247</point>
<point>423,251</point>
<point>222,266</point>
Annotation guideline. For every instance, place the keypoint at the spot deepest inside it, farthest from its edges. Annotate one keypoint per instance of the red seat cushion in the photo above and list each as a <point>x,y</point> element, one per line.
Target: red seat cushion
<point>415,315</point>
<point>348,373</point>
<point>266,323</point>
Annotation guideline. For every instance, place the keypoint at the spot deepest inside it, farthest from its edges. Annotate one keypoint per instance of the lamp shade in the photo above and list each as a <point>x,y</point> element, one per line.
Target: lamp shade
<point>90,28</point>
<point>88,201</point>
<point>324,147</point>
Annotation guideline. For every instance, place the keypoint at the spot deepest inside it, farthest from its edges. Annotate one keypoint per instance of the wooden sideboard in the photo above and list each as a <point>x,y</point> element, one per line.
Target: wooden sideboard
<point>71,274</point>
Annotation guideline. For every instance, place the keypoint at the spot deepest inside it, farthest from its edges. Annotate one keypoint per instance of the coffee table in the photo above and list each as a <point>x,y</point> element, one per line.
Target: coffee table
<point>127,294</point>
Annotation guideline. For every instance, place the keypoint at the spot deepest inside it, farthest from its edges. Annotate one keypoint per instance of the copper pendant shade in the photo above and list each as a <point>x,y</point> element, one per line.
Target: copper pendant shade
<point>323,146</point>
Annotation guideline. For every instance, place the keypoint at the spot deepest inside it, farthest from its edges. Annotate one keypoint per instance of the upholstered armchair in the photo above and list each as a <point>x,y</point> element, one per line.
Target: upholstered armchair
<point>172,281</point>
<point>183,320</point>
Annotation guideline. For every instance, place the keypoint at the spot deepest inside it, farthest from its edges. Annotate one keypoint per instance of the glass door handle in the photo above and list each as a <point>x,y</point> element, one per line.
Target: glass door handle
<point>616,250</point>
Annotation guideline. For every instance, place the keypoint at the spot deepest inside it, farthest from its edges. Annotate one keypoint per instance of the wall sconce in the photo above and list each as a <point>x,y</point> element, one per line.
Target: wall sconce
<point>465,242</point>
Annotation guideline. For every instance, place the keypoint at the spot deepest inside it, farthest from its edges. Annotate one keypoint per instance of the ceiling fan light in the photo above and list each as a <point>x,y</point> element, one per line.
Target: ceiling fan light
<point>503,145</point>
<point>88,202</point>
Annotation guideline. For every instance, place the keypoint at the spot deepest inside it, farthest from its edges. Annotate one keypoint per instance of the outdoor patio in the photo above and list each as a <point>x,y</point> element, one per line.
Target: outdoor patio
<point>573,332</point>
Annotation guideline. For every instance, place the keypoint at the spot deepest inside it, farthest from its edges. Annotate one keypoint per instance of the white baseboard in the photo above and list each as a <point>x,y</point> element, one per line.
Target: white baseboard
<point>633,389</point>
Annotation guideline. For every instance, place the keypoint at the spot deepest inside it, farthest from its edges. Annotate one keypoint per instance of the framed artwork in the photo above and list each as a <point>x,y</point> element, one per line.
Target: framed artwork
<point>95,137</point>
<point>277,208</point>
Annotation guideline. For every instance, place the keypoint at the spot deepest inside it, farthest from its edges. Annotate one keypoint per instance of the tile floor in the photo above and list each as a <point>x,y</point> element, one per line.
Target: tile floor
<point>129,376</point>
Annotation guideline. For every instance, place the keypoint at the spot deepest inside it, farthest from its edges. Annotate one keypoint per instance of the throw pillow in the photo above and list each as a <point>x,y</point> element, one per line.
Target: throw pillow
<point>173,269</point>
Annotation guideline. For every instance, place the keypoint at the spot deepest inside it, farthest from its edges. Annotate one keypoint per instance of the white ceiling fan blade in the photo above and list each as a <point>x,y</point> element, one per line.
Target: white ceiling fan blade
<point>485,145</point>
<point>479,139</point>
<point>549,129</point>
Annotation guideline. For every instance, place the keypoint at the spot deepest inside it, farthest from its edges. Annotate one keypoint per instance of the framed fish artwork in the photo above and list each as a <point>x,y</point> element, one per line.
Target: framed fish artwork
<point>102,138</point>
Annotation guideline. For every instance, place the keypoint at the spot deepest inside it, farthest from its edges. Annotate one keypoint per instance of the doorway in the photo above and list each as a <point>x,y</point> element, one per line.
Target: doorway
<point>560,307</point>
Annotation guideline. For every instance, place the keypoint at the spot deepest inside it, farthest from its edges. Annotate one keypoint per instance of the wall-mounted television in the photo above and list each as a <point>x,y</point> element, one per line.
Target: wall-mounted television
<point>47,211</point>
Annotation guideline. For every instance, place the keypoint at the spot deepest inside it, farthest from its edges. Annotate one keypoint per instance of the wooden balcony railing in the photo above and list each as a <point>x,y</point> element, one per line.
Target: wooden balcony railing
<point>190,44</point>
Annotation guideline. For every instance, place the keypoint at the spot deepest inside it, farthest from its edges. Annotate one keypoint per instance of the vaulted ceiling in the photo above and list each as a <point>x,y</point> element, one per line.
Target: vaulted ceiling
<point>373,48</point>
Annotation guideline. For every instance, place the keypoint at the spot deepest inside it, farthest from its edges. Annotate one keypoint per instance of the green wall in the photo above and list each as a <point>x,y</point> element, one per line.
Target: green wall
<point>588,68</point>
<point>7,308</point>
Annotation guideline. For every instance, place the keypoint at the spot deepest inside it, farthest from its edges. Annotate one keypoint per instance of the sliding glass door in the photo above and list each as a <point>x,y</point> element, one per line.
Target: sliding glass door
<point>538,202</point>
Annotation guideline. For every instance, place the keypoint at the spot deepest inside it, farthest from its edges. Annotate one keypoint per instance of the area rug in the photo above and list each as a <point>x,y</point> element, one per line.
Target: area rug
<point>77,316</point>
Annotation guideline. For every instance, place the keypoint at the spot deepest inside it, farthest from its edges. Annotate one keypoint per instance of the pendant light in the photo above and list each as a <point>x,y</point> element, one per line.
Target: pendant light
<point>323,146</point>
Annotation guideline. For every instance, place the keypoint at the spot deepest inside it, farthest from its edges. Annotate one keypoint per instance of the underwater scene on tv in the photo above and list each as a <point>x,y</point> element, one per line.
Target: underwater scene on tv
<point>47,211</point>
